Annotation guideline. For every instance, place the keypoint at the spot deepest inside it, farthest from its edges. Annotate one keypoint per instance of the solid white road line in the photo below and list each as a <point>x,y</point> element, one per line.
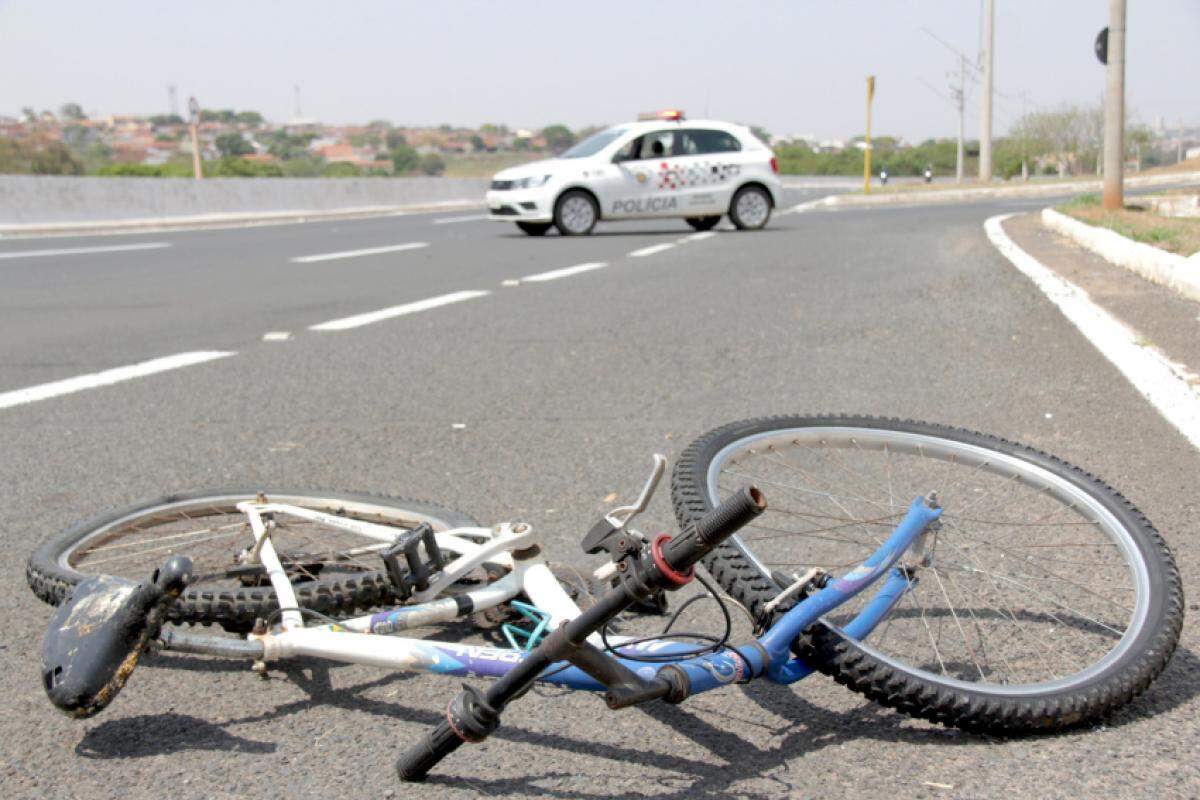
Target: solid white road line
<point>450,220</point>
<point>555,274</point>
<point>369,251</point>
<point>109,376</point>
<point>698,237</point>
<point>359,320</point>
<point>72,251</point>
<point>1156,377</point>
<point>652,249</point>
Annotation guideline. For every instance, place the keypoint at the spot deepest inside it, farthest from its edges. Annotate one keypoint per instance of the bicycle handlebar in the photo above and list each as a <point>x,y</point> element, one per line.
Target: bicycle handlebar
<point>699,538</point>
<point>470,717</point>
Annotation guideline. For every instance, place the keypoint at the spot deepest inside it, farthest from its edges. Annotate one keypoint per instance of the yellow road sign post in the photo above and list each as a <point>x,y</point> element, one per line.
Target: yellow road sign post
<point>867,150</point>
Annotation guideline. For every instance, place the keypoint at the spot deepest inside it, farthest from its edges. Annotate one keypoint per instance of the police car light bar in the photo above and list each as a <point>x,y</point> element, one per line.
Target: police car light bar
<point>672,114</point>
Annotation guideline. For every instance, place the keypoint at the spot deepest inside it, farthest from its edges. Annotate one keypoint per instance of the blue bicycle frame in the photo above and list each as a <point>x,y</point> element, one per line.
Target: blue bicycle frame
<point>770,655</point>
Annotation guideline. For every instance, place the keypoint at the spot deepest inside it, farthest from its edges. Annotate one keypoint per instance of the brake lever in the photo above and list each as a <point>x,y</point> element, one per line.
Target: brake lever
<point>619,517</point>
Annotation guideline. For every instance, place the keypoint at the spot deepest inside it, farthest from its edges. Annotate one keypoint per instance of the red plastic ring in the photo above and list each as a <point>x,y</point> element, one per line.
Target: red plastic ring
<point>673,577</point>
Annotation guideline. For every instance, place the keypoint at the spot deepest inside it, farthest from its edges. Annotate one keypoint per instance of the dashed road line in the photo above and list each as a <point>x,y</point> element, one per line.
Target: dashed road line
<point>452,220</point>
<point>565,272</point>
<point>369,251</point>
<point>652,249</point>
<point>276,336</point>
<point>358,320</point>
<point>72,251</point>
<point>107,377</point>
<point>699,237</point>
<point>1157,378</point>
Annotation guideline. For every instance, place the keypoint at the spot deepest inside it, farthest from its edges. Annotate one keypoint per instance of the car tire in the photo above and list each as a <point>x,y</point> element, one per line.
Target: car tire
<point>535,228</point>
<point>575,213</point>
<point>750,209</point>
<point>703,223</point>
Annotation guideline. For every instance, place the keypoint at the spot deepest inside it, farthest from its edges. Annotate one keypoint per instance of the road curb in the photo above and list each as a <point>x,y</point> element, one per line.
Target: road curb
<point>225,219</point>
<point>988,192</point>
<point>1176,272</point>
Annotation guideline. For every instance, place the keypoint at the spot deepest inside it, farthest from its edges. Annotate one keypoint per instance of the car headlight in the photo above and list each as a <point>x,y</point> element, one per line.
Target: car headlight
<point>531,182</point>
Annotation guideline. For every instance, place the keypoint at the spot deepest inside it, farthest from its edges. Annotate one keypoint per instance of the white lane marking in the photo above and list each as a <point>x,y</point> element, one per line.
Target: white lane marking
<point>369,251</point>
<point>652,249</point>
<point>109,376</point>
<point>72,251</point>
<point>555,274</point>
<point>698,237</point>
<point>510,282</point>
<point>1157,378</point>
<point>359,320</point>
<point>809,206</point>
<point>276,336</point>
<point>468,218</point>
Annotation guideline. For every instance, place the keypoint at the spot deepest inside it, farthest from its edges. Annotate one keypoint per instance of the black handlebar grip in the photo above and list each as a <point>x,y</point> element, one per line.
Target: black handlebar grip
<point>423,756</point>
<point>469,718</point>
<point>698,539</point>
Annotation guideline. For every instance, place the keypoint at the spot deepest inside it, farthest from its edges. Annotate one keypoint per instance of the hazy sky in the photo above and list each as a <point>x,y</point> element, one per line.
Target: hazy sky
<point>793,67</point>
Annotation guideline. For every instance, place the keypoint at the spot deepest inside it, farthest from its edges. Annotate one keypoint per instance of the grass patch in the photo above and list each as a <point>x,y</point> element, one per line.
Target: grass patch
<point>1173,234</point>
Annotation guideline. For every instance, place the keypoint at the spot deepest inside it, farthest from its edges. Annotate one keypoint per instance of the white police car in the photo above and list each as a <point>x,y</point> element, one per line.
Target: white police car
<point>662,167</point>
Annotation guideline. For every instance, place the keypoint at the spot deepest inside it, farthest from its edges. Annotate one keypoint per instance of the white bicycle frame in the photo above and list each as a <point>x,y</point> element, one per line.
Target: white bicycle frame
<point>362,640</point>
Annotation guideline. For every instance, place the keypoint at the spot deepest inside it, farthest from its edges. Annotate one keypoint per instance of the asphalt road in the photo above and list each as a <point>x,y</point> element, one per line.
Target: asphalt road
<point>533,402</point>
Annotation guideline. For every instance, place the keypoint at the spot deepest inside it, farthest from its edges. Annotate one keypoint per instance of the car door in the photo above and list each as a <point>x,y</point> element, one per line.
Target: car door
<point>647,187</point>
<point>706,168</point>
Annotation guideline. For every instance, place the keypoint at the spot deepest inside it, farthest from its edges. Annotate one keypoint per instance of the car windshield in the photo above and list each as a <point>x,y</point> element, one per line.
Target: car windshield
<point>594,143</point>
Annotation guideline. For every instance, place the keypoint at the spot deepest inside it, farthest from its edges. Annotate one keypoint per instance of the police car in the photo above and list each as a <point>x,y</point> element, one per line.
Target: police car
<point>658,167</point>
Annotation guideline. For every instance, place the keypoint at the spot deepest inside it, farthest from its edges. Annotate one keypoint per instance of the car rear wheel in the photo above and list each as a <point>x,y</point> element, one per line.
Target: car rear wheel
<point>750,209</point>
<point>703,223</point>
<point>535,228</point>
<point>575,213</point>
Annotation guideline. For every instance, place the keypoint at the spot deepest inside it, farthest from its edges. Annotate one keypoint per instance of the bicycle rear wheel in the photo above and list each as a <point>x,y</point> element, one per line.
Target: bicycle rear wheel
<point>1047,600</point>
<point>333,571</point>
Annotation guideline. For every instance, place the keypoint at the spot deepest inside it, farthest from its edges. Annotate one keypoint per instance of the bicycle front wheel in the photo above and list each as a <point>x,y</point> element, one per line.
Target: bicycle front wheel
<point>1043,600</point>
<point>333,571</point>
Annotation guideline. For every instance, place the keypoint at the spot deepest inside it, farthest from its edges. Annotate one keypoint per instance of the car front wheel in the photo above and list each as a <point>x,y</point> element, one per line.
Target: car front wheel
<point>575,213</point>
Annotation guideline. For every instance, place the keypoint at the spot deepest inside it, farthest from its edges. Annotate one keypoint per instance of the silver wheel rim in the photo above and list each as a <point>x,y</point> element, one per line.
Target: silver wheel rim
<point>577,214</point>
<point>733,459</point>
<point>105,551</point>
<point>752,209</point>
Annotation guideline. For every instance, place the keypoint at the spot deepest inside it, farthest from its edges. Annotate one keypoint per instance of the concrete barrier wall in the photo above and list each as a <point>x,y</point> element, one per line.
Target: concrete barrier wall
<point>31,199</point>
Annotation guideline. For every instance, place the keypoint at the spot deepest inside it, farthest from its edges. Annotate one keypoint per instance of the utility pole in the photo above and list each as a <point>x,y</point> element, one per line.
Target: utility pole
<point>194,118</point>
<point>172,99</point>
<point>1114,109</point>
<point>960,94</point>
<point>867,151</point>
<point>985,117</point>
<point>296,89</point>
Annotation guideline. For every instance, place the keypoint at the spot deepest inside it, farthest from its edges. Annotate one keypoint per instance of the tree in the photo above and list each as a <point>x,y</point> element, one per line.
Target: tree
<point>405,159</point>
<point>232,144</point>
<point>395,140</point>
<point>477,143</point>
<point>72,111</point>
<point>341,169</point>
<point>29,113</point>
<point>162,120</point>
<point>55,159</point>
<point>251,118</point>
<point>432,164</point>
<point>761,133</point>
<point>558,137</point>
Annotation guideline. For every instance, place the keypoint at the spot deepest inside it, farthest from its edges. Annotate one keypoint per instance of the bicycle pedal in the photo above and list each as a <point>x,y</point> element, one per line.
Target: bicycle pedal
<point>409,544</point>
